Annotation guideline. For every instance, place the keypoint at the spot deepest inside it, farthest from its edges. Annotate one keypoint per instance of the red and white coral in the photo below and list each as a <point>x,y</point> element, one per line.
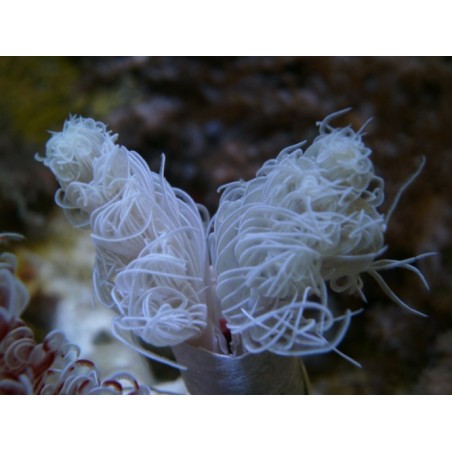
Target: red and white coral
<point>51,367</point>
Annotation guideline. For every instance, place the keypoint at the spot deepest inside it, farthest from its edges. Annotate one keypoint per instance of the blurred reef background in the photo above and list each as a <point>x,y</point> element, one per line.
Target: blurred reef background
<point>218,120</point>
